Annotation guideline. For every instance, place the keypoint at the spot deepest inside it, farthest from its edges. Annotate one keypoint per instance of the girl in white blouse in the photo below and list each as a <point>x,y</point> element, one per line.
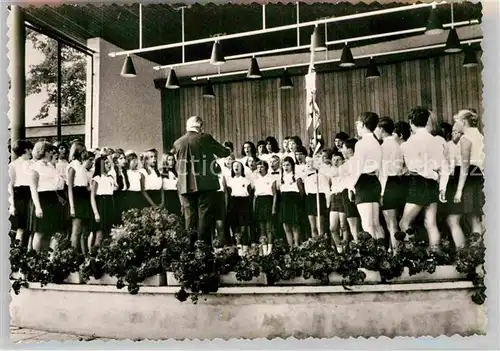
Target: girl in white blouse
<point>119,173</point>
<point>20,179</point>
<point>315,184</point>
<point>102,187</point>
<point>291,206</point>
<point>264,204</point>
<point>151,182</point>
<point>134,197</point>
<point>471,181</point>
<point>45,182</point>
<point>78,194</point>
<point>239,190</point>
<point>170,196</point>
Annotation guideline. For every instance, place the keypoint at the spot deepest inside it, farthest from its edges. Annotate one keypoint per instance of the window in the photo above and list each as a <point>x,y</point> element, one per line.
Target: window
<point>43,87</point>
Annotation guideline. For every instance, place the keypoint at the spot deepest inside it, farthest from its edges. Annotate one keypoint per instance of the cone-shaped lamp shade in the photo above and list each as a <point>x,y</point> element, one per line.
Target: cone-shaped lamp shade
<point>208,91</point>
<point>346,60</point>
<point>172,81</point>
<point>372,72</point>
<point>217,57</point>
<point>128,69</point>
<point>254,71</point>
<point>434,25</point>
<point>453,43</point>
<point>286,81</point>
<point>470,58</point>
<point>318,40</point>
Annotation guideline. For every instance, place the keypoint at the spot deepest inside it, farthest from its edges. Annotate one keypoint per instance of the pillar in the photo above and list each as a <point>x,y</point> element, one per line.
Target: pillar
<point>17,51</point>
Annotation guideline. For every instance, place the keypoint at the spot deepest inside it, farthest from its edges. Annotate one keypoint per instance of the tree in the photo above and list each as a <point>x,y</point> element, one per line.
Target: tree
<point>43,76</point>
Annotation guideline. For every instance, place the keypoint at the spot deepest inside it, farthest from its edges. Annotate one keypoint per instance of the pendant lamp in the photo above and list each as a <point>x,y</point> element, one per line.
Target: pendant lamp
<point>434,25</point>
<point>470,58</point>
<point>217,57</point>
<point>372,72</point>
<point>172,80</point>
<point>208,90</point>
<point>453,42</point>
<point>128,69</point>
<point>254,71</point>
<point>286,81</point>
<point>346,60</point>
<point>318,40</point>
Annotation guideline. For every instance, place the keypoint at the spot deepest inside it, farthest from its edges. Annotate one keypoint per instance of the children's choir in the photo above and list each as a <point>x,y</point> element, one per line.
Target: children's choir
<point>379,182</point>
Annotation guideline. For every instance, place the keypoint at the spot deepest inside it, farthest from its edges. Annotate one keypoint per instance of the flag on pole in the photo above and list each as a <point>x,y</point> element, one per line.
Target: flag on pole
<point>313,115</point>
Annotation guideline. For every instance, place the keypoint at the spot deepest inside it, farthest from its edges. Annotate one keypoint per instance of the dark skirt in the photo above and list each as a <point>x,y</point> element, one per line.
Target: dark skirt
<point>473,198</point>
<point>120,206</point>
<point>239,211</point>
<point>450,207</point>
<point>22,200</point>
<point>337,203</point>
<point>220,206</point>
<point>368,189</point>
<point>81,198</point>
<point>291,208</point>
<point>172,202</point>
<point>311,206</point>
<point>350,208</point>
<point>395,193</point>
<point>155,195</point>
<point>135,199</point>
<point>422,191</point>
<point>263,210</point>
<point>50,223</point>
<point>105,206</point>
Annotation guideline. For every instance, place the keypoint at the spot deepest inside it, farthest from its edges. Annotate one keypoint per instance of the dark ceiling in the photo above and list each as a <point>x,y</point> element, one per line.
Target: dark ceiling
<point>119,24</point>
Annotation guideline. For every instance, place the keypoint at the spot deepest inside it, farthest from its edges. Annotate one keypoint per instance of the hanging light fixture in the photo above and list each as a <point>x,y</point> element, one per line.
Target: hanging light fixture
<point>128,69</point>
<point>172,80</point>
<point>434,25</point>
<point>372,72</point>
<point>470,58</point>
<point>217,57</point>
<point>346,60</point>
<point>208,90</point>
<point>286,81</point>
<point>254,71</point>
<point>318,40</point>
<point>453,42</point>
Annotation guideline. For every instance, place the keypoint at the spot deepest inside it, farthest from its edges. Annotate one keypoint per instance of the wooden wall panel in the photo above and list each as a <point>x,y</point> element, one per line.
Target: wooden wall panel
<point>253,110</point>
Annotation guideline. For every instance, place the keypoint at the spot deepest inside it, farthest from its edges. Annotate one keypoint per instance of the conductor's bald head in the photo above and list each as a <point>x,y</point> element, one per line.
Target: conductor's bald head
<point>194,124</point>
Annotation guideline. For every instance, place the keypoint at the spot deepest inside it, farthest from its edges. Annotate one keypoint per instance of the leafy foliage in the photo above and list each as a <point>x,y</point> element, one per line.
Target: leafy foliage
<point>43,77</point>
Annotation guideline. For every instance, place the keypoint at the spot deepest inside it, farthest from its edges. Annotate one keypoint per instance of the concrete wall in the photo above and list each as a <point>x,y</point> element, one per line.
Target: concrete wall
<point>126,111</point>
<point>432,309</point>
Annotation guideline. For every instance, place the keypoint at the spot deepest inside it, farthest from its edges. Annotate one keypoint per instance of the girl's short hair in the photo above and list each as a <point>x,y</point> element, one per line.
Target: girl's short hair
<point>41,148</point>
<point>19,147</point>
<point>469,116</point>
<point>274,144</point>
<point>76,151</point>
<point>253,149</point>
<point>242,169</point>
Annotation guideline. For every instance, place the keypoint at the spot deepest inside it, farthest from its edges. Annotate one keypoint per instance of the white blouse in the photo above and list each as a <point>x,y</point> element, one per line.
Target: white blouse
<point>48,177</point>
<point>151,181</point>
<point>105,185</point>
<point>288,185</point>
<point>264,185</point>
<point>300,171</point>
<point>239,186</point>
<point>62,169</point>
<point>477,148</point>
<point>22,170</point>
<point>310,183</point>
<point>81,178</point>
<point>169,183</point>
<point>134,178</point>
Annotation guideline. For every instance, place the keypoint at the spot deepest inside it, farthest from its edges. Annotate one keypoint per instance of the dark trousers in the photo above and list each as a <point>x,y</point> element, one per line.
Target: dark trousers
<point>198,213</point>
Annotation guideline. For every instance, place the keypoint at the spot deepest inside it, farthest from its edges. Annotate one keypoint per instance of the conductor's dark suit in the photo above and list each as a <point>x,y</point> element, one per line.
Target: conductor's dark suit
<point>198,180</point>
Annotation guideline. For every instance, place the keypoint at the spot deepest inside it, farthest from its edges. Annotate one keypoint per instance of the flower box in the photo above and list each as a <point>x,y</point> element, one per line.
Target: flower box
<point>442,273</point>
<point>74,278</point>
<point>230,279</point>
<point>299,281</point>
<point>372,277</point>
<point>155,280</point>
<point>171,280</point>
<point>106,279</point>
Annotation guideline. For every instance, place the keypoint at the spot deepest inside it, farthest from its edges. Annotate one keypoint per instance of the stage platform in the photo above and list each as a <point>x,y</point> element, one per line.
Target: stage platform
<point>424,309</point>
